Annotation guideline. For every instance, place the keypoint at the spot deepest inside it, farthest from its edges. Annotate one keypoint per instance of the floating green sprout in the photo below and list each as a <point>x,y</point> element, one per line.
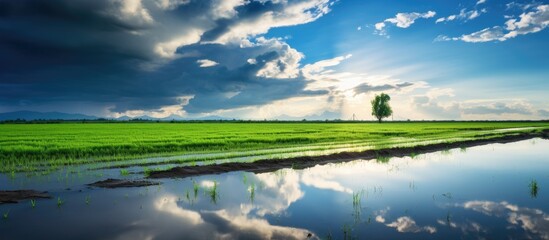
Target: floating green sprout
<point>60,202</point>
<point>533,188</point>
<point>124,172</point>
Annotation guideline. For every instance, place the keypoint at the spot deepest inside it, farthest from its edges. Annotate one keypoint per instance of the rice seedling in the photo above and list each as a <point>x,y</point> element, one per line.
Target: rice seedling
<point>447,195</point>
<point>412,186</point>
<point>357,205</point>
<point>533,186</point>
<point>195,189</point>
<point>87,200</point>
<point>347,231</point>
<point>6,214</point>
<point>60,202</point>
<point>244,178</point>
<point>212,192</point>
<point>413,155</point>
<point>187,196</point>
<point>378,190</point>
<point>251,189</point>
<point>124,172</point>
<point>382,159</point>
<point>356,199</point>
<point>33,203</point>
<point>147,171</point>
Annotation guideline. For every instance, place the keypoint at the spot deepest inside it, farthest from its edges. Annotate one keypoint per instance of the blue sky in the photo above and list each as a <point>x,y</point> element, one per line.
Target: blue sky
<point>276,59</point>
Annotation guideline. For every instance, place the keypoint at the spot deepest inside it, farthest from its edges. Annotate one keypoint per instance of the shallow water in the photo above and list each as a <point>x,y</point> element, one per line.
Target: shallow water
<point>476,193</point>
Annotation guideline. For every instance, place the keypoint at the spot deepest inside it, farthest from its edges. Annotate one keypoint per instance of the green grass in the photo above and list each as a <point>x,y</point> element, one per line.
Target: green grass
<point>28,147</point>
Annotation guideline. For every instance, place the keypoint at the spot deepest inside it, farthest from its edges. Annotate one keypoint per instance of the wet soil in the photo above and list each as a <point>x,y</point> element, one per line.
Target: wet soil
<point>120,183</point>
<point>18,195</point>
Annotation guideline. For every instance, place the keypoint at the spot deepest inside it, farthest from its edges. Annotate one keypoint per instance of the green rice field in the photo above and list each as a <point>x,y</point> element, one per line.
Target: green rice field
<point>26,147</point>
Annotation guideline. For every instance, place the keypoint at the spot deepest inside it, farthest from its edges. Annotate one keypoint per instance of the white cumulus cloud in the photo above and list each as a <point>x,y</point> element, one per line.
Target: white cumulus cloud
<point>402,20</point>
<point>528,22</point>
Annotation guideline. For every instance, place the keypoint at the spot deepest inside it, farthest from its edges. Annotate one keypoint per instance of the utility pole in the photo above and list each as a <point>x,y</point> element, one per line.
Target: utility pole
<point>354,117</point>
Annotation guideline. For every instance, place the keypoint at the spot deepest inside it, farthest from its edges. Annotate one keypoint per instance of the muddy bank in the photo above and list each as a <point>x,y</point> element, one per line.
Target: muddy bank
<point>18,195</point>
<point>271,165</point>
<point>120,183</point>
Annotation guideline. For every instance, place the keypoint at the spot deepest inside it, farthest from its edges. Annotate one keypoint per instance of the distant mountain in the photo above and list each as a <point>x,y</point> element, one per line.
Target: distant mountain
<point>314,117</point>
<point>30,115</point>
<point>211,118</point>
<point>123,118</point>
<point>172,117</point>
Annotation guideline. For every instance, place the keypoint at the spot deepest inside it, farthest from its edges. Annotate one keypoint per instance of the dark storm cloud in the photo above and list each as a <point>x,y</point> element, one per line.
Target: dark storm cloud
<point>43,34</point>
<point>129,55</point>
<point>366,87</point>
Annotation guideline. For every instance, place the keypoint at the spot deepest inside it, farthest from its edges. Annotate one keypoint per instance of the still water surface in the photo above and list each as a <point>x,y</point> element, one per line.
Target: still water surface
<point>483,192</point>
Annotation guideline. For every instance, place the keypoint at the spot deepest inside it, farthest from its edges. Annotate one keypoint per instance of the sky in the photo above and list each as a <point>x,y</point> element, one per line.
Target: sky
<point>276,59</point>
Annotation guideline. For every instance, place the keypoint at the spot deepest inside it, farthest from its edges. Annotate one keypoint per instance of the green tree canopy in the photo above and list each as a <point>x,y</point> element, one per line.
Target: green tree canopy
<point>380,106</point>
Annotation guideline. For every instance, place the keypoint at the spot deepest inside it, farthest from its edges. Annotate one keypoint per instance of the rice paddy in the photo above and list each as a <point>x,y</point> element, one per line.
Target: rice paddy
<point>404,197</point>
<point>32,147</point>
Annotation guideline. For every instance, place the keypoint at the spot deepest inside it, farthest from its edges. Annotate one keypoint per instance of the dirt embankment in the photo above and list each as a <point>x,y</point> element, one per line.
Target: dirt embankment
<point>310,161</point>
<point>18,195</point>
<point>120,183</point>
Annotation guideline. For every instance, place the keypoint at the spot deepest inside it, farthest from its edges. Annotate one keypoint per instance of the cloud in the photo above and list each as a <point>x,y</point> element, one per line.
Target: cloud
<point>212,224</point>
<point>439,103</point>
<point>312,70</point>
<point>522,6</point>
<point>499,109</point>
<point>463,15</point>
<point>543,113</point>
<point>151,55</point>
<point>276,14</point>
<point>170,4</point>
<point>480,2</point>
<point>366,87</point>
<point>206,63</point>
<point>431,104</point>
<point>533,221</point>
<point>402,20</point>
<point>528,22</point>
<point>407,224</point>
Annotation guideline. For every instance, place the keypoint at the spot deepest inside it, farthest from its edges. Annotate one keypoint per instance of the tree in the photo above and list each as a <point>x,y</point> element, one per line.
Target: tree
<point>380,106</point>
